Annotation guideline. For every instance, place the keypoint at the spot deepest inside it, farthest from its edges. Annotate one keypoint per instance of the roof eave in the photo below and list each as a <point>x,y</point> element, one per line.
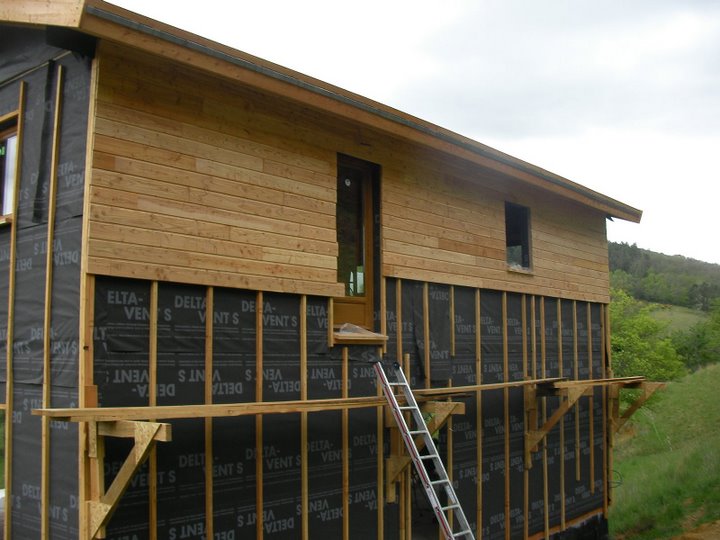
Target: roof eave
<point>111,22</point>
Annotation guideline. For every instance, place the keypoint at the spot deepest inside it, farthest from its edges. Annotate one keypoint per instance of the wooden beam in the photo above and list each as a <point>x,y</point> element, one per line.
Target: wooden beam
<point>47,326</point>
<point>478,411</point>
<point>534,436</point>
<point>304,474</point>
<point>145,434</point>
<point>152,400</point>
<point>345,446</point>
<point>9,384</point>
<point>440,413</point>
<point>506,414</point>
<point>648,389</point>
<point>258,417</point>
<point>209,490</point>
<point>426,333</point>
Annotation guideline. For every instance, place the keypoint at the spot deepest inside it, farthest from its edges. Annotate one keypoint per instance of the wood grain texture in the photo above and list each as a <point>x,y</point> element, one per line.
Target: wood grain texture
<point>223,181</point>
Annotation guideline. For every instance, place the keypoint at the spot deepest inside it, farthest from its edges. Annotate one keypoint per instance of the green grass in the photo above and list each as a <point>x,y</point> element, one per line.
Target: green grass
<point>670,470</point>
<point>677,318</point>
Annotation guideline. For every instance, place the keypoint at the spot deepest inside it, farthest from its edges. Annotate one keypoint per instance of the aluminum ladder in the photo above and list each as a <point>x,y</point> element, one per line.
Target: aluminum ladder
<point>433,488</point>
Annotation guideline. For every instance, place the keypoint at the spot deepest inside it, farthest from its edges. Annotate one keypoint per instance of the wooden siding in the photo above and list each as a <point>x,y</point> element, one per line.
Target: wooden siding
<point>197,179</point>
<point>181,191</point>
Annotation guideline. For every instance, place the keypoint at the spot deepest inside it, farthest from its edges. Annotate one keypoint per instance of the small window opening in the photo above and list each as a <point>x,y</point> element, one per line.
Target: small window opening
<point>357,191</point>
<point>517,235</point>
<point>8,155</point>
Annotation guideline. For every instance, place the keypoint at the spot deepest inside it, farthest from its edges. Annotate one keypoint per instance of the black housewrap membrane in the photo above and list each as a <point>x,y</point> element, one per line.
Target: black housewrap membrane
<point>234,371</point>
<point>27,58</point>
<point>516,409</point>
<point>281,432</point>
<point>598,372</point>
<point>552,369</point>
<point>121,372</point>
<point>493,434</point>
<point>324,379</point>
<point>536,497</point>
<point>464,373</point>
<point>181,381</point>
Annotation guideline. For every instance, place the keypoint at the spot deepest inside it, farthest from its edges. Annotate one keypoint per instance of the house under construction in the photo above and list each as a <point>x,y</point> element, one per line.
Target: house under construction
<point>204,253</point>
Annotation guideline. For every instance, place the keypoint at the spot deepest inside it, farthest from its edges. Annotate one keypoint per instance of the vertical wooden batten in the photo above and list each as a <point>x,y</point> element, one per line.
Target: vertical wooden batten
<point>562,420</point>
<point>209,322</point>
<point>47,316</point>
<point>506,412</point>
<point>152,401</point>
<point>11,314</point>
<point>478,408</point>
<point>345,446</point>
<point>86,388</point>
<point>304,420</point>
<point>259,417</point>
<point>591,400</point>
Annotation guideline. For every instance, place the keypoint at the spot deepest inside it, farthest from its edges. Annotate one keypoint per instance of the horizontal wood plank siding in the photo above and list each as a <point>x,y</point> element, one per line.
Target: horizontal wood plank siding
<point>197,179</point>
<point>181,195</point>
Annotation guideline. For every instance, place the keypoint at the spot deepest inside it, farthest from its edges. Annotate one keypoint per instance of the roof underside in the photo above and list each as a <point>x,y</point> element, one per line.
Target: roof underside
<point>107,21</point>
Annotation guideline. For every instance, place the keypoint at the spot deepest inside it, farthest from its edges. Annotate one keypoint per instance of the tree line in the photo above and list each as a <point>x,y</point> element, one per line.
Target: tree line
<point>641,344</point>
<point>665,279</point>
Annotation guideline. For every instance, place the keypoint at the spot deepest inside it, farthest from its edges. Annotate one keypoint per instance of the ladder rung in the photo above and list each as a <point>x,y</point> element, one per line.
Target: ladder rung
<point>443,508</point>
<point>396,384</point>
<point>462,533</point>
<point>441,481</point>
<point>408,408</point>
<point>429,456</point>
<point>418,431</point>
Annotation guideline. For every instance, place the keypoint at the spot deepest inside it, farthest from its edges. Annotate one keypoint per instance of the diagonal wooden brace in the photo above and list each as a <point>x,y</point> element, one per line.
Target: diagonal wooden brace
<point>618,420</point>
<point>569,396</point>
<point>397,463</point>
<point>145,434</point>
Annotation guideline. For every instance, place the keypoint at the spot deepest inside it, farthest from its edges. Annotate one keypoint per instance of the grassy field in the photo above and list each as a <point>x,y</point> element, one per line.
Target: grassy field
<point>669,472</point>
<point>676,317</point>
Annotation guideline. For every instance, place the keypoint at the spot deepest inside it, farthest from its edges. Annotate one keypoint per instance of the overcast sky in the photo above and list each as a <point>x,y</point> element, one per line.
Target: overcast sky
<point>621,96</point>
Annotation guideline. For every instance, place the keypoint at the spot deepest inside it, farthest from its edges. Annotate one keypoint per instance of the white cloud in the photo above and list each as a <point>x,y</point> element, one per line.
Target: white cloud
<point>620,96</point>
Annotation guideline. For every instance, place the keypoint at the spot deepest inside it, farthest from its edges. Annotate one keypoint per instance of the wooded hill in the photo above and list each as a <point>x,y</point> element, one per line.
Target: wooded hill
<point>665,279</point>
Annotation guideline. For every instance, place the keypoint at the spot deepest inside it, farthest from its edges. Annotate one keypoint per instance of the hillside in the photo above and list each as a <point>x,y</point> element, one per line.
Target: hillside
<point>668,473</point>
<point>665,279</point>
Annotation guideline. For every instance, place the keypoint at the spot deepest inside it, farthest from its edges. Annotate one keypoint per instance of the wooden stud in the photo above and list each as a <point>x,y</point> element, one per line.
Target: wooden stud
<point>259,417</point>
<point>47,317</point>
<point>408,473</point>
<point>11,313</point>
<point>591,401</point>
<point>91,470</point>
<point>304,475</point>
<point>506,413</point>
<point>152,401</point>
<point>576,375</point>
<point>331,322</point>
<point>396,445</point>
<point>87,390</point>
<point>345,447</point>
<point>605,446</point>
<point>452,320</point>
<point>380,461</point>
<point>426,333</point>
<point>562,419</point>
<point>546,508</point>
<point>383,311</point>
<point>526,468</point>
<point>209,331</point>
<point>478,409</point>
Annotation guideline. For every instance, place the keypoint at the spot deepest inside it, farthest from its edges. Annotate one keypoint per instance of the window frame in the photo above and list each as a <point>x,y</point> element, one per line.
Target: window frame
<point>8,130</point>
<point>518,233</point>
<point>359,309</point>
